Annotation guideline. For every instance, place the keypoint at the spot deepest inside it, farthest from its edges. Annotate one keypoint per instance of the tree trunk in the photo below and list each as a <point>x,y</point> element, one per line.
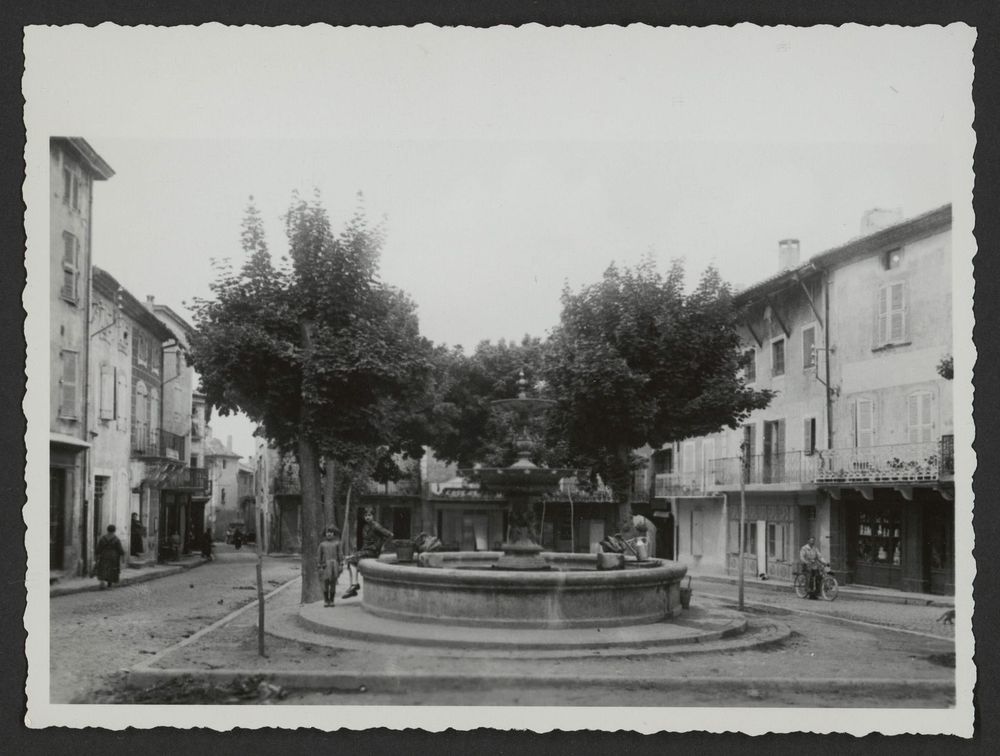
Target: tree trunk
<point>309,479</point>
<point>622,482</point>
<point>310,482</point>
<point>329,488</point>
<point>346,534</point>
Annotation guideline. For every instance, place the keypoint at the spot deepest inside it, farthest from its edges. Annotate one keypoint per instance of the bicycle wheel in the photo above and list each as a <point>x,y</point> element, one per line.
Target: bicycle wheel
<point>830,588</point>
<point>801,585</point>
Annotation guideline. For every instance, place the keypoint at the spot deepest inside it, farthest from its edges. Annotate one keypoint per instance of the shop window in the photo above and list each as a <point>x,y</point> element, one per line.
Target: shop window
<point>879,537</point>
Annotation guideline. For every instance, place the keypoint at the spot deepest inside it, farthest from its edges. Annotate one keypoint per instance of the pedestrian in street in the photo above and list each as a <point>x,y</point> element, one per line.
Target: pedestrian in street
<point>206,543</point>
<point>109,554</point>
<point>136,533</point>
<point>812,565</point>
<point>373,538</point>
<point>238,539</point>
<point>331,559</point>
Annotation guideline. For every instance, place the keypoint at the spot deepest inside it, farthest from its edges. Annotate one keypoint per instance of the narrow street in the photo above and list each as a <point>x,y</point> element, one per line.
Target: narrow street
<point>97,634</point>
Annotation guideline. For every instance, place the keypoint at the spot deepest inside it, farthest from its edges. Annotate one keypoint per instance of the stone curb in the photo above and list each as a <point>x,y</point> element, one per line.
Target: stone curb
<point>944,602</point>
<point>66,590</point>
<point>361,681</point>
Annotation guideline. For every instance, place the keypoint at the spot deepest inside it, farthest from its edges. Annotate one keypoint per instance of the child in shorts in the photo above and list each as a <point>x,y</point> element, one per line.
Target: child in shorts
<point>331,558</point>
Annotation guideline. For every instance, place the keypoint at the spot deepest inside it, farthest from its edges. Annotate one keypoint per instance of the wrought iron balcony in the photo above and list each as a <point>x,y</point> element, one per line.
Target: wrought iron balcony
<point>894,463</point>
<point>191,479</point>
<point>156,442</point>
<point>766,469</point>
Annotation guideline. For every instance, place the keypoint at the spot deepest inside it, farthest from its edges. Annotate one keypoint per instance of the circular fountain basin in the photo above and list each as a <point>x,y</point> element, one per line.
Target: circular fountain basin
<point>461,588</point>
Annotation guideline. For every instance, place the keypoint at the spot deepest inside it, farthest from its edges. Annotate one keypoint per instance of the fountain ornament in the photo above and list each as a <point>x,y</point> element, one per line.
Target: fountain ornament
<point>520,483</point>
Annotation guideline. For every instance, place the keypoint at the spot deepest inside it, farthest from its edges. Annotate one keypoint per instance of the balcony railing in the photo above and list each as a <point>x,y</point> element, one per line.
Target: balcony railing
<point>767,469</point>
<point>402,487</point>
<point>947,455</point>
<point>191,478</point>
<point>156,442</point>
<point>895,463</point>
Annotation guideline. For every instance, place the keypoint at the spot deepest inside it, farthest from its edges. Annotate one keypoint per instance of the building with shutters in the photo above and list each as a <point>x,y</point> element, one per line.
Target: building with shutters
<point>857,446</point>
<point>74,167</point>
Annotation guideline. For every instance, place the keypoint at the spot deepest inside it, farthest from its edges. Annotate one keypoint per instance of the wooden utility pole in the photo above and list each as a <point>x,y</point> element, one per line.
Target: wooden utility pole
<point>260,589</point>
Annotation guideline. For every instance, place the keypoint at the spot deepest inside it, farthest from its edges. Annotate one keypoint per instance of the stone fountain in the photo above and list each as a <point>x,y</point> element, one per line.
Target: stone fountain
<point>521,586</point>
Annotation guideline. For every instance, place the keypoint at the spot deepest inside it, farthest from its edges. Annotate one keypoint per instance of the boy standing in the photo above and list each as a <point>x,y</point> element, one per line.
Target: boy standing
<point>331,557</point>
<point>373,537</point>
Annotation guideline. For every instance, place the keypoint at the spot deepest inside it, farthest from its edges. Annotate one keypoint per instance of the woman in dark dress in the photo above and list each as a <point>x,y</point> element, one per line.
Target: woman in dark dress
<point>109,555</point>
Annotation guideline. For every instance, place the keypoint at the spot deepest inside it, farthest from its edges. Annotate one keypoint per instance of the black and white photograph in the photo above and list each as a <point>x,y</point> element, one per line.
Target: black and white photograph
<point>524,377</point>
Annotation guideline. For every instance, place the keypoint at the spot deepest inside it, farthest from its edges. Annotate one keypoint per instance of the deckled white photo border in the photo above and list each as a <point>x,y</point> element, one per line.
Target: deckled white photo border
<point>64,97</point>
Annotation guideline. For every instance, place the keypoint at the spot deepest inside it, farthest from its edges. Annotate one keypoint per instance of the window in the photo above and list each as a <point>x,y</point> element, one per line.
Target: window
<point>68,384</point>
<point>750,538</point>
<point>809,436</point>
<point>864,424</point>
<point>808,344</point>
<point>892,259</point>
<point>76,192</point>
<point>71,267</point>
<point>750,371</point>
<point>749,445</point>
<point>778,357</point>
<point>891,321</point>
<point>918,412</point>
<point>107,388</point>
<point>687,457</point>
<point>141,349</point>
<point>67,186</point>
<point>776,541</point>
<point>879,537</point>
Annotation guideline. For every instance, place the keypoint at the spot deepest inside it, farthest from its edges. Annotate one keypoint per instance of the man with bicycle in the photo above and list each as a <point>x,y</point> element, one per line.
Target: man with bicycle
<point>812,566</point>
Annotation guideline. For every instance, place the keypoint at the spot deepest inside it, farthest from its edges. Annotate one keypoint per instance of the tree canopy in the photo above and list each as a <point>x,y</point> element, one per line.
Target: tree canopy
<point>315,348</point>
<point>637,360</point>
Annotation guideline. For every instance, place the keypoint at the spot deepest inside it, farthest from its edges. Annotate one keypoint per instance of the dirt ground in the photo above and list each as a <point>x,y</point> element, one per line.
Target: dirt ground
<point>817,649</point>
<point>95,636</point>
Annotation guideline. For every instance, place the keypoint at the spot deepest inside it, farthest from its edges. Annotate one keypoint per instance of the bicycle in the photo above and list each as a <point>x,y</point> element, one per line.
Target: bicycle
<point>828,586</point>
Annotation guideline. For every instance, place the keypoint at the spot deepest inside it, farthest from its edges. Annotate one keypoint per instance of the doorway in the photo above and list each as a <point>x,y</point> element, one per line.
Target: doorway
<point>57,517</point>
<point>774,451</point>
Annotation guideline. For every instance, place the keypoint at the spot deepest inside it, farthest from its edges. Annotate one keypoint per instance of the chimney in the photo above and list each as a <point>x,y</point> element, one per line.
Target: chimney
<point>878,218</point>
<point>149,302</point>
<point>229,443</point>
<point>788,254</point>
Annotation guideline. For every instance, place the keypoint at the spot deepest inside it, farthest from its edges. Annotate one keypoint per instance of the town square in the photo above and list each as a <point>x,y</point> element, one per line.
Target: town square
<point>513,405</point>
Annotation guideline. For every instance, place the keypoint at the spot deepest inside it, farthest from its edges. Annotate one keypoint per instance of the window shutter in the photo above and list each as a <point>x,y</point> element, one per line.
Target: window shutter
<point>67,385</point>
<point>881,327</point>
<point>865,434</point>
<point>897,325</point>
<point>928,425</point>
<point>121,391</point>
<point>107,408</point>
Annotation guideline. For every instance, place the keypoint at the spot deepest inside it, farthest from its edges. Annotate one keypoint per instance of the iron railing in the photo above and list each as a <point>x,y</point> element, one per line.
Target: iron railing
<point>156,442</point>
<point>948,455</point>
<point>191,478</point>
<point>766,469</point>
<point>893,463</point>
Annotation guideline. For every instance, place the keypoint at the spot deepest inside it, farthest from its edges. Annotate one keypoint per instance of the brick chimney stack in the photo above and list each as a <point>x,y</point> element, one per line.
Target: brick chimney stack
<point>788,254</point>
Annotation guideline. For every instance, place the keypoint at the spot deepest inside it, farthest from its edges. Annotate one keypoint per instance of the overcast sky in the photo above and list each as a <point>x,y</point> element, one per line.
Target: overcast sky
<point>506,162</point>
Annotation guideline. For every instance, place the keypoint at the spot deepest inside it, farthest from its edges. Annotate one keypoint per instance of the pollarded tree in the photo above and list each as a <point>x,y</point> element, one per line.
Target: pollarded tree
<point>637,360</point>
<point>316,348</point>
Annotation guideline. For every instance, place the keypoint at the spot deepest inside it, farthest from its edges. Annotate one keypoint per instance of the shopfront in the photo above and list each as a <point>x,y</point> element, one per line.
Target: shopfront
<point>901,539</point>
